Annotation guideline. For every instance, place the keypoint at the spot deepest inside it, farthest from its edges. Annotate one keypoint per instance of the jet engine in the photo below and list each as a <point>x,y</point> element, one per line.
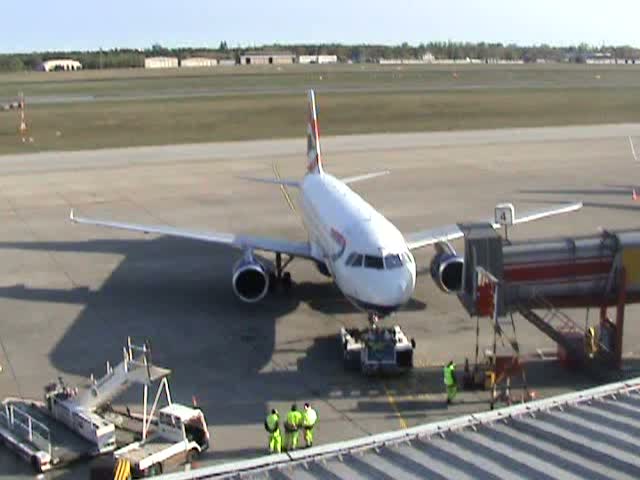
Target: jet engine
<point>250,279</point>
<point>446,269</point>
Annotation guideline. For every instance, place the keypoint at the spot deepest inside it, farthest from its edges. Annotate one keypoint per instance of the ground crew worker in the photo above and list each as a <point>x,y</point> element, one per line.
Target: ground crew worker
<point>272,425</point>
<point>450,381</point>
<point>309,419</point>
<point>590,342</point>
<point>291,426</point>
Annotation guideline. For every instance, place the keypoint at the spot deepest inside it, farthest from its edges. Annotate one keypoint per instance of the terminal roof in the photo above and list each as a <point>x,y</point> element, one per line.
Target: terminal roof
<point>590,434</point>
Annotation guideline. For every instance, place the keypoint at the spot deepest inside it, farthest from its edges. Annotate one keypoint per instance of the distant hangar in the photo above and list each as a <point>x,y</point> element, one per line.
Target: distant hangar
<point>198,62</point>
<point>61,64</point>
<point>161,62</point>
<point>267,58</point>
<point>320,59</point>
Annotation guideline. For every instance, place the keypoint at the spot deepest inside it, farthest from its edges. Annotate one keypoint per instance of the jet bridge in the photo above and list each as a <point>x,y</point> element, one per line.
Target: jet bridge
<point>537,278</point>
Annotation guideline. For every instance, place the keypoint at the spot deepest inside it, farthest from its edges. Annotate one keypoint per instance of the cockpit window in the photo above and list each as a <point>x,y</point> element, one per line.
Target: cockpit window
<point>371,261</point>
<point>354,260</point>
<point>392,261</point>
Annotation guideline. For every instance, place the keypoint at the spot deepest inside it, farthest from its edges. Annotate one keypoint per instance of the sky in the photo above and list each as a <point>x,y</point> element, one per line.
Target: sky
<point>89,25</point>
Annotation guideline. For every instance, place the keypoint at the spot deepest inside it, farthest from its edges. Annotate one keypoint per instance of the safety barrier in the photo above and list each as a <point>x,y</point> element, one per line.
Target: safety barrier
<point>23,425</point>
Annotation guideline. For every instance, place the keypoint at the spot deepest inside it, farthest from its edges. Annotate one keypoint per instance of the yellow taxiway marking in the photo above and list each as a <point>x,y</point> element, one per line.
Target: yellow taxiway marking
<point>394,406</point>
<point>284,190</point>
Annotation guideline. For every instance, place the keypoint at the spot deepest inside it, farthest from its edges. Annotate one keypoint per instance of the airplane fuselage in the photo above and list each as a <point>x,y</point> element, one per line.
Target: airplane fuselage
<point>364,252</point>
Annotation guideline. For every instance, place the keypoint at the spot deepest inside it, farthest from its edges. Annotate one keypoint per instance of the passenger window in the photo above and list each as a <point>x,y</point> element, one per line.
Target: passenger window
<point>392,261</point>
<point>371,261</point>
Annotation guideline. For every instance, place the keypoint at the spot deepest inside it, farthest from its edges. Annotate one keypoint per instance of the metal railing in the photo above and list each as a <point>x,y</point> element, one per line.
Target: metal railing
<point>26,427</point>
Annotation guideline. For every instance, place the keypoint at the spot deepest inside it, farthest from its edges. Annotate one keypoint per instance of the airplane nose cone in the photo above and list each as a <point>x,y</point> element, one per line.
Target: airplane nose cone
<point>409,282</point>
<point>405,285</point>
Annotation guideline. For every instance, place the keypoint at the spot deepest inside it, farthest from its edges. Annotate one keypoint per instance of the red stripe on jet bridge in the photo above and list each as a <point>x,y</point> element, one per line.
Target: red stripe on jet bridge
<point>517,273</point>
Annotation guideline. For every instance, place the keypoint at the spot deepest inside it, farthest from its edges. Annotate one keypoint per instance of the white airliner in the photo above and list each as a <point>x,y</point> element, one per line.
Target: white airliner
<point>363,252</point>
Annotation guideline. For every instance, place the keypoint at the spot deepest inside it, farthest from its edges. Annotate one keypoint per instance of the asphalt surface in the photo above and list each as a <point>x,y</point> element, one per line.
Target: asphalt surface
<point>71,294</point>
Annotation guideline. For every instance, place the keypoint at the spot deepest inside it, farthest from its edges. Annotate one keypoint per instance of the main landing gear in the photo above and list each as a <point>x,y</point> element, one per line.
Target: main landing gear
<point>279,278</point>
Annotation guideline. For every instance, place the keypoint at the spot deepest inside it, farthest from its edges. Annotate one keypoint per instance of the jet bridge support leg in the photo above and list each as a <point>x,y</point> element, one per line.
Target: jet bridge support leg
<point>622,300</point>
<point>605,322</point>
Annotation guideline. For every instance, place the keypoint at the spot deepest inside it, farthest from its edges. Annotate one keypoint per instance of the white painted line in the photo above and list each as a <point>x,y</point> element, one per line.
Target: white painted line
<point>633,150</point>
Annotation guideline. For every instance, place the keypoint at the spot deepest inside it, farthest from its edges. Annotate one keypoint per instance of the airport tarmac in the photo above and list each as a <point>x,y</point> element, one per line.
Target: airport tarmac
<point>71,294</point>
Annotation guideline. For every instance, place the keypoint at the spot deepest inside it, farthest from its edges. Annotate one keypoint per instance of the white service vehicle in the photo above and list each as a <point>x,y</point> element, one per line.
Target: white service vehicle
<point>367,257</point>
<point>180,437</point>
<point>377,350</point>
<point>61,402</point>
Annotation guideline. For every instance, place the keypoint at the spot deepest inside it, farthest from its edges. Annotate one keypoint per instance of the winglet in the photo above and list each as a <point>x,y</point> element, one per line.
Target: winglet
<point>72,216</point>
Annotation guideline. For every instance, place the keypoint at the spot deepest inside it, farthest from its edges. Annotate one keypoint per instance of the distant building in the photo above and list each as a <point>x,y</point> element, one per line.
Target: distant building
<point>608,59</point>
<point>318,59</point>
<point>226,62</point>
<point>198,62</point>
<point>426,58</point>
<point>265,58</point>
<point>161,62</point>
<point>60,65</point>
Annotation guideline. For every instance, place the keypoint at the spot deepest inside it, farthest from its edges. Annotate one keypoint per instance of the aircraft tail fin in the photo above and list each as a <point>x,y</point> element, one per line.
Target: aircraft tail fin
<point>314,157</point>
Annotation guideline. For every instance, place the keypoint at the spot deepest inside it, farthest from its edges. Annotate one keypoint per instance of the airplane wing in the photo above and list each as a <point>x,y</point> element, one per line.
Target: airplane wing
<point>451,232</point>
<point>296,249</point>
<point>275,181</point>
<point>366,176</point>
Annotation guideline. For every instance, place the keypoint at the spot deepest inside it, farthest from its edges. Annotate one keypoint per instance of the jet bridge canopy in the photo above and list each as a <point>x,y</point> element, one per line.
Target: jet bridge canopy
<point>569,272</point>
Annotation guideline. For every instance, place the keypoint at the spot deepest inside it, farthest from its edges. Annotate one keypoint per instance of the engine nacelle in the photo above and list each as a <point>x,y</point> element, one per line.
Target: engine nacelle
<point>250,279</point>
<point>446,270</point>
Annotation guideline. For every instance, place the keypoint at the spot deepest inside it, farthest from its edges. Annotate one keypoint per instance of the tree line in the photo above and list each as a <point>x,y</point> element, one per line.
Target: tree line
<point>132,58</point>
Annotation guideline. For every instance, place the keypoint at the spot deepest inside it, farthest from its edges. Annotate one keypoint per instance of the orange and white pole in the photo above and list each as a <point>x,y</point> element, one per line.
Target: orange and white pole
<point>23,122</point>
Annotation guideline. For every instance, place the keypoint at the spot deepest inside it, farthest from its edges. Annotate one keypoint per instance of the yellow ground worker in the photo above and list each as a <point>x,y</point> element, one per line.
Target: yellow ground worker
<point>272,425</point>
<point>450,381</point>
<point>309,419</point>
<point>291,426</point>
<point>590,342</point>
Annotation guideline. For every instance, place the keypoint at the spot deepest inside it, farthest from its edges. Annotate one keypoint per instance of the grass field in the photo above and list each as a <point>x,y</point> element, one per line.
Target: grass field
<point>97,109</point>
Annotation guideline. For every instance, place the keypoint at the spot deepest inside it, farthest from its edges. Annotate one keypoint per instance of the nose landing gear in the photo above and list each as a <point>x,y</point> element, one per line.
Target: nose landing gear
<point>373,319</point>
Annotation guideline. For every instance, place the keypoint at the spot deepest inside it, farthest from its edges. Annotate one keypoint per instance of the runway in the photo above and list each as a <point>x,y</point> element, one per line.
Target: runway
<point>199,92</point>
<point>71,294</point>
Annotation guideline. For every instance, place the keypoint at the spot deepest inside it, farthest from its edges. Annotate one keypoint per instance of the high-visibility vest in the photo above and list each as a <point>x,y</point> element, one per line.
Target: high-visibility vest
<point>592,345</point>
<point>448,375</point>
<point>309,418</point>
<point>271,423</point>
<point>294,419</point>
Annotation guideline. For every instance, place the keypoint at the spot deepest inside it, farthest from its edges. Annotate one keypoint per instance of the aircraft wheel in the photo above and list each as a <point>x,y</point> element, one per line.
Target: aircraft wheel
<point>273,282</point>
<point>286,280</point>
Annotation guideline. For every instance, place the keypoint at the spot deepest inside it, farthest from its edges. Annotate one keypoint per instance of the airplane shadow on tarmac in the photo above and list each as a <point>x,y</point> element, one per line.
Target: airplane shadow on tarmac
<point>177,293</point>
